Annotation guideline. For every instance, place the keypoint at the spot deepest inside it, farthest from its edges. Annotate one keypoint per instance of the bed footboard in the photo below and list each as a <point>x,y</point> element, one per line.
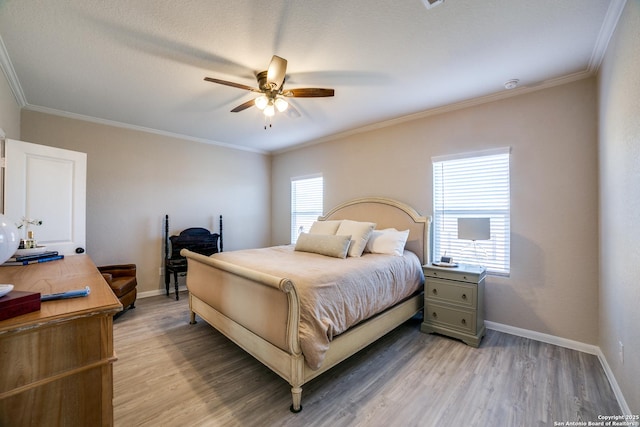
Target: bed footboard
<point>257,311</point>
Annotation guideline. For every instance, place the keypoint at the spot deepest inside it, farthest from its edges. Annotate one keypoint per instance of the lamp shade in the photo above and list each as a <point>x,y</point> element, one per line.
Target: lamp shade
<point>281,104</point>
<point>269,110</point>
<point>261,102</point>
<point>474,228</point>
<point>9,238</point>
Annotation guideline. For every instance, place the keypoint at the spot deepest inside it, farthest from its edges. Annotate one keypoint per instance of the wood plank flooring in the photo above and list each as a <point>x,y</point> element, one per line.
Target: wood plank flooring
<point>170,373</point>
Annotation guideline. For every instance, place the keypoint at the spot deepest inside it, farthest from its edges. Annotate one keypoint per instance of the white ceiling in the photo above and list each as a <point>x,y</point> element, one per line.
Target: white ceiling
<point>141,63</point>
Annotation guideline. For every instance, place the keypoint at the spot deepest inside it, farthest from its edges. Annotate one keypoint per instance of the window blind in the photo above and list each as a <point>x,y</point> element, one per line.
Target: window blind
<point>306,204</point>
<point>475,185</point>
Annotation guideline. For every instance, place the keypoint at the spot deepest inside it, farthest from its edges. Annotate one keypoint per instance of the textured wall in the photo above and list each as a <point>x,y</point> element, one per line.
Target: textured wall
<point>553,286</point>
<point>134,178</point>
<point>619,90</point>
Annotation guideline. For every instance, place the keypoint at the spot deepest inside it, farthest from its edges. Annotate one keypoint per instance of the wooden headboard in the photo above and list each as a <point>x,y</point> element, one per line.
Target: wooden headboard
<point>388,213</point>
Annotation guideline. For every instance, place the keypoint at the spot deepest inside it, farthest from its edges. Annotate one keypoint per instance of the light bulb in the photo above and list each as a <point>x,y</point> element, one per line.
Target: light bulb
<point>269,110</point>
<point>281,104</point>
<point>261,102</point>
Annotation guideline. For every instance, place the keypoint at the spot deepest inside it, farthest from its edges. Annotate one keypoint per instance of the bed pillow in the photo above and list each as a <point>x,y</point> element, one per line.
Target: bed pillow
<point>359,232</point>
<point>325,227</point>
<point>389,241</point>
<point>323,244</point>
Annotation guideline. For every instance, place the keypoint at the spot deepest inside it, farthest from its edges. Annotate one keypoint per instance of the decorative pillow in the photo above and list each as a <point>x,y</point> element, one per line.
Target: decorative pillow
<point>325,227</point>
<point>389,241</point>
<point>359,232</point>
<point>323,244</point>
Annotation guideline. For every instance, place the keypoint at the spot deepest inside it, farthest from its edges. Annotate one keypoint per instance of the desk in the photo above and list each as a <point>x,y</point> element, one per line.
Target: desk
<point>57,363</point>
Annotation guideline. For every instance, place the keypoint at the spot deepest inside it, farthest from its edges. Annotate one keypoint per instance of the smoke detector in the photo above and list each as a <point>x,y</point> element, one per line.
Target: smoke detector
<point>511,84</point>
<point>432,3</point>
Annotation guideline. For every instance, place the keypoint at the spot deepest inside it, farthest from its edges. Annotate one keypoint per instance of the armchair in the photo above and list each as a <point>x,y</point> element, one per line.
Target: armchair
<point>122,281</point>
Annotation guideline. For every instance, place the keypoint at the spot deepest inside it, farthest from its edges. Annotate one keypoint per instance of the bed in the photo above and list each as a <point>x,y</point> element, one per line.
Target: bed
<point>261,310</point>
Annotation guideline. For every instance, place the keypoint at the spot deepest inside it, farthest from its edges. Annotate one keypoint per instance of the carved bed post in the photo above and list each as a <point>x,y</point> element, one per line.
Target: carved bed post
<point>220,233</point>
<point>166,252</point>
<point>297,369</point>
<point>293,341</point>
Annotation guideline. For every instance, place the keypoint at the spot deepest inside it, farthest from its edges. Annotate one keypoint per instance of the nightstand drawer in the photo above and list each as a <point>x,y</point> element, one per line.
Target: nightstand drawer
<point>472,274</point>
<point>451,292</point>
<point>462,320</point>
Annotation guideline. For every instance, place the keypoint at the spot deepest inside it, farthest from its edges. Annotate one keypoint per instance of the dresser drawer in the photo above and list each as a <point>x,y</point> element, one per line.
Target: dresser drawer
<point>451,292</point>
<point>462,320</point>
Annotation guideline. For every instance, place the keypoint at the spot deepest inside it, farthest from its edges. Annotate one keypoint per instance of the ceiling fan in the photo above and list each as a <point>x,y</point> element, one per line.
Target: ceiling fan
<point>271,88</point>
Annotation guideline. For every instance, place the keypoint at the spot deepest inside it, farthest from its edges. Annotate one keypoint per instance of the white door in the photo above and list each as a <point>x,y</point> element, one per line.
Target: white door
<point>47,184</point>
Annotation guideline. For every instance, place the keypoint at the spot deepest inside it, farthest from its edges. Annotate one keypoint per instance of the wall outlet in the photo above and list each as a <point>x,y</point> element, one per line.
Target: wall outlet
<point>160,271</point>
<point>621,352</point>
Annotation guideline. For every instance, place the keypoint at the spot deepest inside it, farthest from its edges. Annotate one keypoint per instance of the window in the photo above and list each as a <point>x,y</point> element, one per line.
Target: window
<point>475,185</point>
<point>306,204</point>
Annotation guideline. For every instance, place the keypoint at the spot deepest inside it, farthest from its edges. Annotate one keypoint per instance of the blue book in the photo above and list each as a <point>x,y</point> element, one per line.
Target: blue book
<point>34,261</point>
<point>35,256</point>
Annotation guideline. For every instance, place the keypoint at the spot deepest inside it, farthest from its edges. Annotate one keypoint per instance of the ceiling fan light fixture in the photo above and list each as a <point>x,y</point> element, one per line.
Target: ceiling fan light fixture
<point>281,104</point>
<point>261,102</point>
<point>269,110</point>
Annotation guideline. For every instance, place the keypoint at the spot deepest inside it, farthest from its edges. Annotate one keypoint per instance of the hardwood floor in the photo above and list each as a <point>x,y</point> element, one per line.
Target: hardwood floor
<point>170,373</point>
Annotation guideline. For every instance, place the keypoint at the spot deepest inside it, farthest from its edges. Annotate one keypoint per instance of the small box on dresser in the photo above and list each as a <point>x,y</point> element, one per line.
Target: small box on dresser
<point>16,303</point>
<point>454,302</point>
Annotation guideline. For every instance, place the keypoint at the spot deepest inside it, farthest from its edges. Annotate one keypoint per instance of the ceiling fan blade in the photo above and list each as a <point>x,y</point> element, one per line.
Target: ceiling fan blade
<point>276,72</point>
<point>244,106</point>
<point>232,84</point>
<point>309,92</point>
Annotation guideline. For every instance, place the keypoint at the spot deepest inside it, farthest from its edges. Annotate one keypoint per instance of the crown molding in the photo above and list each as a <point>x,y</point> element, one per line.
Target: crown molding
<point>12,77</point>
<point>18,93</point>
<point>61,113</point>
<point>504,94</point>
<point>606,32</point>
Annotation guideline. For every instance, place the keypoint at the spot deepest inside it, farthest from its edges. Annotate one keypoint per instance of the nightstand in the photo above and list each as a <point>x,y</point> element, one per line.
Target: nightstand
<point>454,302</point>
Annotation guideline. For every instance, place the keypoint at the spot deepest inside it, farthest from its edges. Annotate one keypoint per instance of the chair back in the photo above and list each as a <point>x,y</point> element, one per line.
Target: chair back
<point>196,239</point>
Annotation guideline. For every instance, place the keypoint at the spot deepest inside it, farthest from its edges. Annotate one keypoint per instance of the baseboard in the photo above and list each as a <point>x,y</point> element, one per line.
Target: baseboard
<point>538,336</point>
<point>156,292</point>
<point>570,344</point>
<point>614,384</point>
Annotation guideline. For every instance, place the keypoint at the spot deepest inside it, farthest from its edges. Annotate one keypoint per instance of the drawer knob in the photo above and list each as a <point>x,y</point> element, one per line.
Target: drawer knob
<point>464,296</point>
<point>434,314</point>
<point>434,291</point>
<point>464,277</point>
<point>463,321</point>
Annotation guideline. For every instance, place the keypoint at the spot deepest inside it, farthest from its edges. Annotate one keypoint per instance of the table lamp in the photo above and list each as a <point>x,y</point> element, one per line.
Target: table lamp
<point>474,229</point>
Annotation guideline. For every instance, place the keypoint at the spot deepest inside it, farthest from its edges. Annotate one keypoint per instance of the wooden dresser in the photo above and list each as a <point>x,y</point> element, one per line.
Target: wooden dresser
<point>56,364</point>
